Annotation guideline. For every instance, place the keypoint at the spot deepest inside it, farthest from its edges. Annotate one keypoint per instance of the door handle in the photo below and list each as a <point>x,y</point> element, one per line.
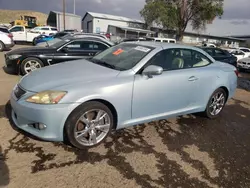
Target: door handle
<point>192,78</point>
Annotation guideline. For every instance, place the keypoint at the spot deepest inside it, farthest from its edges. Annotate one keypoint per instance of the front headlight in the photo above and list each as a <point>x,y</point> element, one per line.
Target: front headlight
<point>47,97</point>
<point>14,56</point>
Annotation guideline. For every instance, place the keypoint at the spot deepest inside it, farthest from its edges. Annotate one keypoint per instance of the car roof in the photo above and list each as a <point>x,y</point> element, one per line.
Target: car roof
<point>93,38</point>
<point>165,45</point>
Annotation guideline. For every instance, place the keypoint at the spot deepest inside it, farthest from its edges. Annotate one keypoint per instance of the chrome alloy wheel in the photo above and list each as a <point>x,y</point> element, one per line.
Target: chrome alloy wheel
<point>217,103</point>
<point>92,127</point>
<point>31,65</point>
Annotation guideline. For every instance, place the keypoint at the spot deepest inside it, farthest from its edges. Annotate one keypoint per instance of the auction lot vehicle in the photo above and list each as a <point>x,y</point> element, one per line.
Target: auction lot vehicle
<point>6,40</point>
<point>167,40</point>
<point>128,84</point>
<point>26,60</point>
<point>42,38</point>
<point>238,53</point>
<point>246,50</point>
<point>221,55</point>
<point>46,30</point>
<point>20,33</point>
<point>244,64</point>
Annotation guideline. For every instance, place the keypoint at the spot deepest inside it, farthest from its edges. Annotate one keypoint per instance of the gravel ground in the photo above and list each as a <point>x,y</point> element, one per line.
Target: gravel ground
<point>187,151</point>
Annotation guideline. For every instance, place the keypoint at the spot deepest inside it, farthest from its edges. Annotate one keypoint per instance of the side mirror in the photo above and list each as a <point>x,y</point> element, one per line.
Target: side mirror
<point>152,70</point>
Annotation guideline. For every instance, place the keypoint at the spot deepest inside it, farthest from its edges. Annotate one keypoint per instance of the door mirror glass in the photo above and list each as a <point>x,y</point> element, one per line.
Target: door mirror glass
<point>152,70</point>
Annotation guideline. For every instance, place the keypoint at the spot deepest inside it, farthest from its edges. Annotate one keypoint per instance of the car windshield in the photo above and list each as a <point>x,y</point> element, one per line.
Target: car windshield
<point>122,57</point>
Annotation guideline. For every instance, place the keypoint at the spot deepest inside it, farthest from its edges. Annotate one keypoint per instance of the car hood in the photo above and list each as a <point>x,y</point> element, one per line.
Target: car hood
<point>32,50</point>
<point>246,59</point>
<point>72,72</point>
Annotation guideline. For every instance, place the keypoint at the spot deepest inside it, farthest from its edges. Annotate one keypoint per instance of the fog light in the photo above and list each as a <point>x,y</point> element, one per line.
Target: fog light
<point>41,126</point>
<point>38,126</point>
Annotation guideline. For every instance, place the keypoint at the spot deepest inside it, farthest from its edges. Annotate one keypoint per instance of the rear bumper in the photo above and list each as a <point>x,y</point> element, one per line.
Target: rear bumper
<point>9,45</point>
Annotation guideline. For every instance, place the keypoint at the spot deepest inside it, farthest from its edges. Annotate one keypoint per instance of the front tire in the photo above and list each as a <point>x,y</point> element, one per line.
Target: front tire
<point>89,125</point>
<point>30,64</point>
<point>216,103</point>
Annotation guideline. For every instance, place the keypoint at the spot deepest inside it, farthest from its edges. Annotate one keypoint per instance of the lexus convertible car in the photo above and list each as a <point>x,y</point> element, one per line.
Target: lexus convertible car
<point>128,84</point>
<point>26,60</point>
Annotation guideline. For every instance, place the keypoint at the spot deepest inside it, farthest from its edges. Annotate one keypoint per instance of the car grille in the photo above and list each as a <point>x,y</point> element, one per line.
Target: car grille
<point>19,92</point>
<point>245,63</point>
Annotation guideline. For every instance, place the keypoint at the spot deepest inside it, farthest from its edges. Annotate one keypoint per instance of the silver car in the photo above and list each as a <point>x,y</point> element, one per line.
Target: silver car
<point>128,84</point>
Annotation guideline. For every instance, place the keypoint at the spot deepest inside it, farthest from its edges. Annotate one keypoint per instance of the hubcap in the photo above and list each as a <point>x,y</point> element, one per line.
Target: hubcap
<point>217,103</point>
<point>31,66</point>
<point>92,127</point>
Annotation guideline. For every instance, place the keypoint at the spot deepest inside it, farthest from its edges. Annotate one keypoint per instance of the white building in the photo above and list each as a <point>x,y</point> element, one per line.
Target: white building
<point>72,21</point>
<point>117,25</point>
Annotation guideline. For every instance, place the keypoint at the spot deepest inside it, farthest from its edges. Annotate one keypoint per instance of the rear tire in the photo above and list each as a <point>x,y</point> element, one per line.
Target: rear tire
<point>216,104</point>
<point>2,46</point>
<point>89,125</point>
<point>30,64</point>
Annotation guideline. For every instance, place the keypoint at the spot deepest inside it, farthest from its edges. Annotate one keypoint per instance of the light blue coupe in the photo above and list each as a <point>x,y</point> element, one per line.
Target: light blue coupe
<point>128,84</point>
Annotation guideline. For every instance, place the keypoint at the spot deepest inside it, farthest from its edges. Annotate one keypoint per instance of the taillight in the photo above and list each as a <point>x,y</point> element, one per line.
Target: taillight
<point>236,72</point>
<point>10,35</point>
<point>108,35</point>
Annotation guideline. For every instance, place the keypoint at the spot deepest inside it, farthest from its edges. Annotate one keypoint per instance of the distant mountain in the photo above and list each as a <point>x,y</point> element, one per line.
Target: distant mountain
<point>7,16</point>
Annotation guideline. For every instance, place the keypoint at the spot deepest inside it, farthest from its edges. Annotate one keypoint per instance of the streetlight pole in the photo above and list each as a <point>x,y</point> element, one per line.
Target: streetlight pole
<point>63,14</point>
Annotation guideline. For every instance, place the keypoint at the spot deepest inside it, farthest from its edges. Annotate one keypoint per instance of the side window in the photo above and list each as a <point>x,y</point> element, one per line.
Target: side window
<point>4,30</point>
<point>241,53</point>
<point>165,41</point>
<point>175,59</point>
<point>17,29</point>
<point>199,60</point>
<point>45,28</point>
<point>53,29</point>
<point>80,45</point>
<point>99,46</point>
<point>157,40</point>
<point>219,52</point>
<point>245,50</point>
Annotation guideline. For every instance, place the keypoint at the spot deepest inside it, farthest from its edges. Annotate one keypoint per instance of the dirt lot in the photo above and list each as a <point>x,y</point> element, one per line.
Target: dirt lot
<point>185,152</point>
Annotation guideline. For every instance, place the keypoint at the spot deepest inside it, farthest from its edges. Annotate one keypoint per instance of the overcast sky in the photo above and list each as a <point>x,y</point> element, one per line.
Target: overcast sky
<point>236,18</point>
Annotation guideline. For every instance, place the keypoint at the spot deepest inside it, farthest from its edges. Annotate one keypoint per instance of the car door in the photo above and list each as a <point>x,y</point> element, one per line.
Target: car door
<point>76,49</point>
<point>18,33</point>
<point>170,93</point>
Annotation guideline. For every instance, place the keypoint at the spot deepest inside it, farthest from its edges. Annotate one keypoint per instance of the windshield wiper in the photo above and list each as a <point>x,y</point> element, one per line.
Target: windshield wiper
<point>100,62</point>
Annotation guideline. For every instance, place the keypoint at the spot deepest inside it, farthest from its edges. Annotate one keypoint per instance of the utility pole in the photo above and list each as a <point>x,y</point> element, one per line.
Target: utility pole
<point>74,6</point>
<point>63,14</point>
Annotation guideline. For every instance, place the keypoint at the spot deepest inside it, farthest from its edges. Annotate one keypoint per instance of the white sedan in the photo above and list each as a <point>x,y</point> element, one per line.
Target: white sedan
<point>238,53</point>
<point>244,64</point>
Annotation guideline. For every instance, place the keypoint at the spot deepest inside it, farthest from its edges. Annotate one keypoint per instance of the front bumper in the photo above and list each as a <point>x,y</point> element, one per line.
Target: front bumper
<point>25,114</point>
<point>243,65</point>
<point>12,65</point>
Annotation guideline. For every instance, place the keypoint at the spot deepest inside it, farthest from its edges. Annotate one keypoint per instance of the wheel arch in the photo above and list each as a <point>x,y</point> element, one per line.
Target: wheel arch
<point>103,101</point>
<point>226,90</point>
<point>19,65</point>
